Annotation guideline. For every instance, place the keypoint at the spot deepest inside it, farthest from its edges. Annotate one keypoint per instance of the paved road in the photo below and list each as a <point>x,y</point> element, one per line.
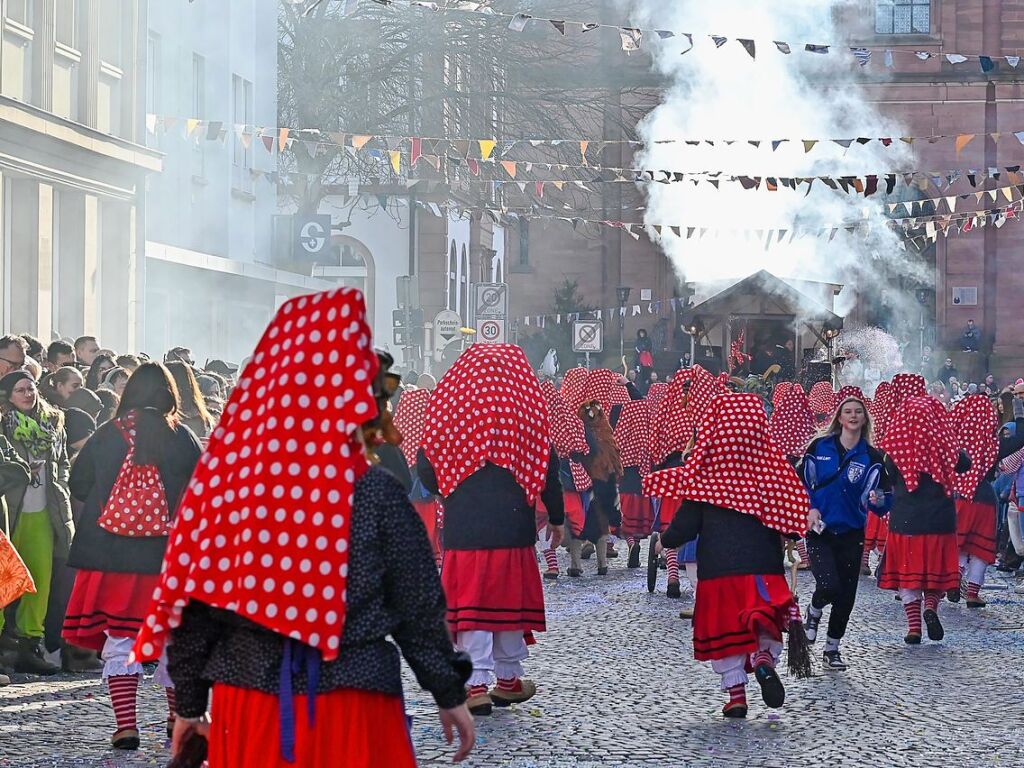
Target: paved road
<point>619,687</point>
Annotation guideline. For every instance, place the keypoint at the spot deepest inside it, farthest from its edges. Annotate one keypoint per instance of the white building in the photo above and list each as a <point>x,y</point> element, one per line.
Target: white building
<point>211,284</point>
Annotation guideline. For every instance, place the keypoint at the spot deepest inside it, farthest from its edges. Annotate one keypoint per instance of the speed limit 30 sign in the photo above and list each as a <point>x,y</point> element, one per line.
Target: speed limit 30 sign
<point>491,331</point>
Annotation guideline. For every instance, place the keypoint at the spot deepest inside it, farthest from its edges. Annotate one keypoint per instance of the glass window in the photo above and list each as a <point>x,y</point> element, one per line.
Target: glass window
<point>242,146</point>
<point>111,36</point>
<point>453,285</point>
<point>20,11</point>
<point>903,17</point>
<point>66,23</point>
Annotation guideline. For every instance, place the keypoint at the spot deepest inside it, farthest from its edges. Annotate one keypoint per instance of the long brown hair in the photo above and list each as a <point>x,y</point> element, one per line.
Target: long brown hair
<point>190,396</point>
<point>153,397</point>
<point>867,432</point>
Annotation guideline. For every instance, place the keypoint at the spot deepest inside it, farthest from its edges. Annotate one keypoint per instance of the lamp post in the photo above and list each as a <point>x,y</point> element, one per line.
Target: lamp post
<point>696,330</point>
<point>623,294</point>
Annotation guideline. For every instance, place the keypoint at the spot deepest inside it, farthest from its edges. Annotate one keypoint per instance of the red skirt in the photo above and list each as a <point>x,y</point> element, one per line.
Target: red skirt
<point>637,515</point>
<point>494,590</point>
<point>669,507</point>
<point>353,729</point>
<point>976,529</point>
<point>926,561</point>
<point>876,532</point>
<point>104,603</point>
<point>730,612</point>
<point>430,513</point>
<point>575,514</point>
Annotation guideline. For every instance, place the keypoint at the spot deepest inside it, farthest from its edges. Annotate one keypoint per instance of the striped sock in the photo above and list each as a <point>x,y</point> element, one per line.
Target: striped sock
<point>801,549</point>
<point>123,690</point>
<point>931,600</point>
<point>913,611</point>
<point>738,695</point>
<point>972,590</point>
<point>510,684</point>
<point>865,559</point>
<point>171,709</point>
<point>476,690</point>
<point>762,658</point>
<point>672,564</point>
<point>631,541</point>
<point>551,558</point>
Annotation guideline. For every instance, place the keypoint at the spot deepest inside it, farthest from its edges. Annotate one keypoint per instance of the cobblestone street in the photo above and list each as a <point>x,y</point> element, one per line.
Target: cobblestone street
<point>619,687</point>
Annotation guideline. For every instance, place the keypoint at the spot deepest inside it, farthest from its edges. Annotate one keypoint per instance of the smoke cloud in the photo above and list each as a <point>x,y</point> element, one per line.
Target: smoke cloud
<point>724,94</point>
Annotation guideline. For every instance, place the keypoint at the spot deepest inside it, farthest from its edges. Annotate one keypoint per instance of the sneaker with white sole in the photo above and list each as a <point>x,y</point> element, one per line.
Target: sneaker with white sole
<point>811,623</point>
<point>831,660</point>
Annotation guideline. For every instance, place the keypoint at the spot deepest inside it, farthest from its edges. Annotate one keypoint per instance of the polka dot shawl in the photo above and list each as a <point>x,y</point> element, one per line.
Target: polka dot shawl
<point>792,422</point>
<point>411,421</point>
<point>736,464</point>
<point>573,384</point>
<point>263,528</point>
<point>568,434</point>
<point>975,423</point>
<point>656,393</point>
<point>633,435</point>
<point>489,407</point>
<point>598,388</point>
<point>822,399</point>
<point>919,439</point>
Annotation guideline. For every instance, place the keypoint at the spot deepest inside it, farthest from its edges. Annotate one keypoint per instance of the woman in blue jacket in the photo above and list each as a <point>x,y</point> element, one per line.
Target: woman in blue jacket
<point>845,476</point>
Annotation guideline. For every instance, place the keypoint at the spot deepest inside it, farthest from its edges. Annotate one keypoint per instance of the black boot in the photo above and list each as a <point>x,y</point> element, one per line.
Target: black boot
<point>30,659</point>
<point>634,557</point>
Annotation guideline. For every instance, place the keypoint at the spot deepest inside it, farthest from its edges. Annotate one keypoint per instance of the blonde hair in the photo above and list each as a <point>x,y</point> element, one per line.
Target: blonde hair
<point>834,427</point>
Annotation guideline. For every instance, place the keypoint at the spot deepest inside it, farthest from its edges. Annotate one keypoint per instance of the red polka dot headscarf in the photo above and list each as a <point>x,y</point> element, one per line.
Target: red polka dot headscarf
<point>572,387</point>
<point>780,391</point>
<point>919,439</point>
<point>263,528</point>
<point>792,422</point>
<point>735,464</point>
<point>822,399</point>
<point>568,434</point>
<point>618,395</point>
<point>879,408</point>
<point>671,428</point>
<point>633,435</point>
<point>598,388</point>
<point>489,407</point>
<point>906,385</point>
<point>975,423</point>
<point>411,421</point>
<point>656,393</point>
<point>848,392</point>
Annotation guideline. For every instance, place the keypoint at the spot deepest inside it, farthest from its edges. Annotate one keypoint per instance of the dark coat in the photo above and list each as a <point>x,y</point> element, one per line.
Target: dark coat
<point>15,476</point>
<point>92,479</point>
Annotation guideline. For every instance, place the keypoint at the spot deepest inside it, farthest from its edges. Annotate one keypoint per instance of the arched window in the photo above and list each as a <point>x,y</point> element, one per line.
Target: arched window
<point>464,285</point>
<point>452,298</point>
<point>355,267</point>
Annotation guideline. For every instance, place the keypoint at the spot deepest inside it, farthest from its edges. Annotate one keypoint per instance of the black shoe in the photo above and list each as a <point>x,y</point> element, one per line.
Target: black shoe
<point>612,552</point>
<point>588,550</point>
<point>912,638</point>
<point>634,557</point>
<point>935,630</point>
<point>574,572</point>
<point>673,590</point>
<point>811,623</point>
<point>953,595</point>
<point>772,691</point>
<point>31,660</point>
<point>127,739</point>
<point>550,575</point>
<point>831,660</point>
<point>602,571</point>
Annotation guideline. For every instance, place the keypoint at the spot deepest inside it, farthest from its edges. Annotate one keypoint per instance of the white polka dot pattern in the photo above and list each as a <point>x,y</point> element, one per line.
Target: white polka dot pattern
<point>265,521</point>
<point>792,422</point>
<point>137,505</point>
<point>489,407</point>
<point>633,435</point>
<point>736,464</point>
<point>573,384</point>
<point>568,434</point>
<point>823,398</point>
<point>975,423</point>
<point>411,421</point>
<point>919,439</point>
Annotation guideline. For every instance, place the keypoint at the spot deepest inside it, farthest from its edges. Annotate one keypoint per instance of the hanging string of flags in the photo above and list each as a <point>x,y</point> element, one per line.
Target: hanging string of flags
<point>424,147</point>
<point>631,38</point>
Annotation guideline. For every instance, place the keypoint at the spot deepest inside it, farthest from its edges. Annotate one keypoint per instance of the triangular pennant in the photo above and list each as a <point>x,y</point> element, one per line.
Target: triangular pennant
<point>268,143</point>
<point>282,139</point>
<point>510,167</point>
<point>719,40</point>
<point>583,150</point>
<point>396,160</point>
<point>783,47</point>
<point>486,148</point>
<point>748,46</point>
<point>809,144</point>
<point>630,39</point>
<point>559,25</point>
<point>518,22</point>
<point>358,142</point>
<point>962,141</point>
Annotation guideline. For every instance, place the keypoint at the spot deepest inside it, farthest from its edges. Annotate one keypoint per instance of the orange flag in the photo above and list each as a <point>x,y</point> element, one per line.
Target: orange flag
<point>962,141</point>
<point>510,167</point>
<point>359,141</point>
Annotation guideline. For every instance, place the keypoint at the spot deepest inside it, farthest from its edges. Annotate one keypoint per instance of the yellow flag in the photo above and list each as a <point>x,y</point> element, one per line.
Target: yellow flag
<point>396,160</point>
<point>486,148</point>
<point>359,141</point>
<point>190,125</point>
<point>510,167</point>
<point>962,141</point>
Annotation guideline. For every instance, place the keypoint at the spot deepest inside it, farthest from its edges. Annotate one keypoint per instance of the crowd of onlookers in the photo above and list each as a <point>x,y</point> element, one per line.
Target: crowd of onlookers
<point>52,399</point>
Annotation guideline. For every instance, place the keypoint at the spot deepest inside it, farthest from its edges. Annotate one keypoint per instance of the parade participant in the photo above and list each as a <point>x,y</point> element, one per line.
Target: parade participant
<point>292,560</point>
<point>487,452</point>
<point>845,475</point>
<point>823,400</point>
<point>792,421</point>
<point>738,493</point>
<point>568,436</point>
<point>975,423</point>
<point>40,524</point>
<point>632,428</point>
<point>129,475</point>
<point>411,422</point>
<point>655,394</point>
<point>921,552</point>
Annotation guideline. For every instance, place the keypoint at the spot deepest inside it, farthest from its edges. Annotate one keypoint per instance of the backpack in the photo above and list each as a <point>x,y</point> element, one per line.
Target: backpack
<point>137,505</point>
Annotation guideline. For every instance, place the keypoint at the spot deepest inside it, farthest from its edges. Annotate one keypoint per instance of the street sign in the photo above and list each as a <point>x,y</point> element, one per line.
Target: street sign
<point>491,331</point>
<point>447,324</point>
<point>312,237</point>
<point>587,336</point>
<point>490,300</point>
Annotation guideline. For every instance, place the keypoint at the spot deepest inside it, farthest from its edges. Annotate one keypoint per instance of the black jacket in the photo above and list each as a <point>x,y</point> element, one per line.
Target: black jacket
<point>731,543</point>
<point>92,478</point>
<point>393,589</point>
<point>926,510</point>
<point>489,509</point>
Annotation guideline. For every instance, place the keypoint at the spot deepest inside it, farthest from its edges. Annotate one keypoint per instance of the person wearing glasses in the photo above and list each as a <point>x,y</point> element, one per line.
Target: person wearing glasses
<point>13,351</point>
